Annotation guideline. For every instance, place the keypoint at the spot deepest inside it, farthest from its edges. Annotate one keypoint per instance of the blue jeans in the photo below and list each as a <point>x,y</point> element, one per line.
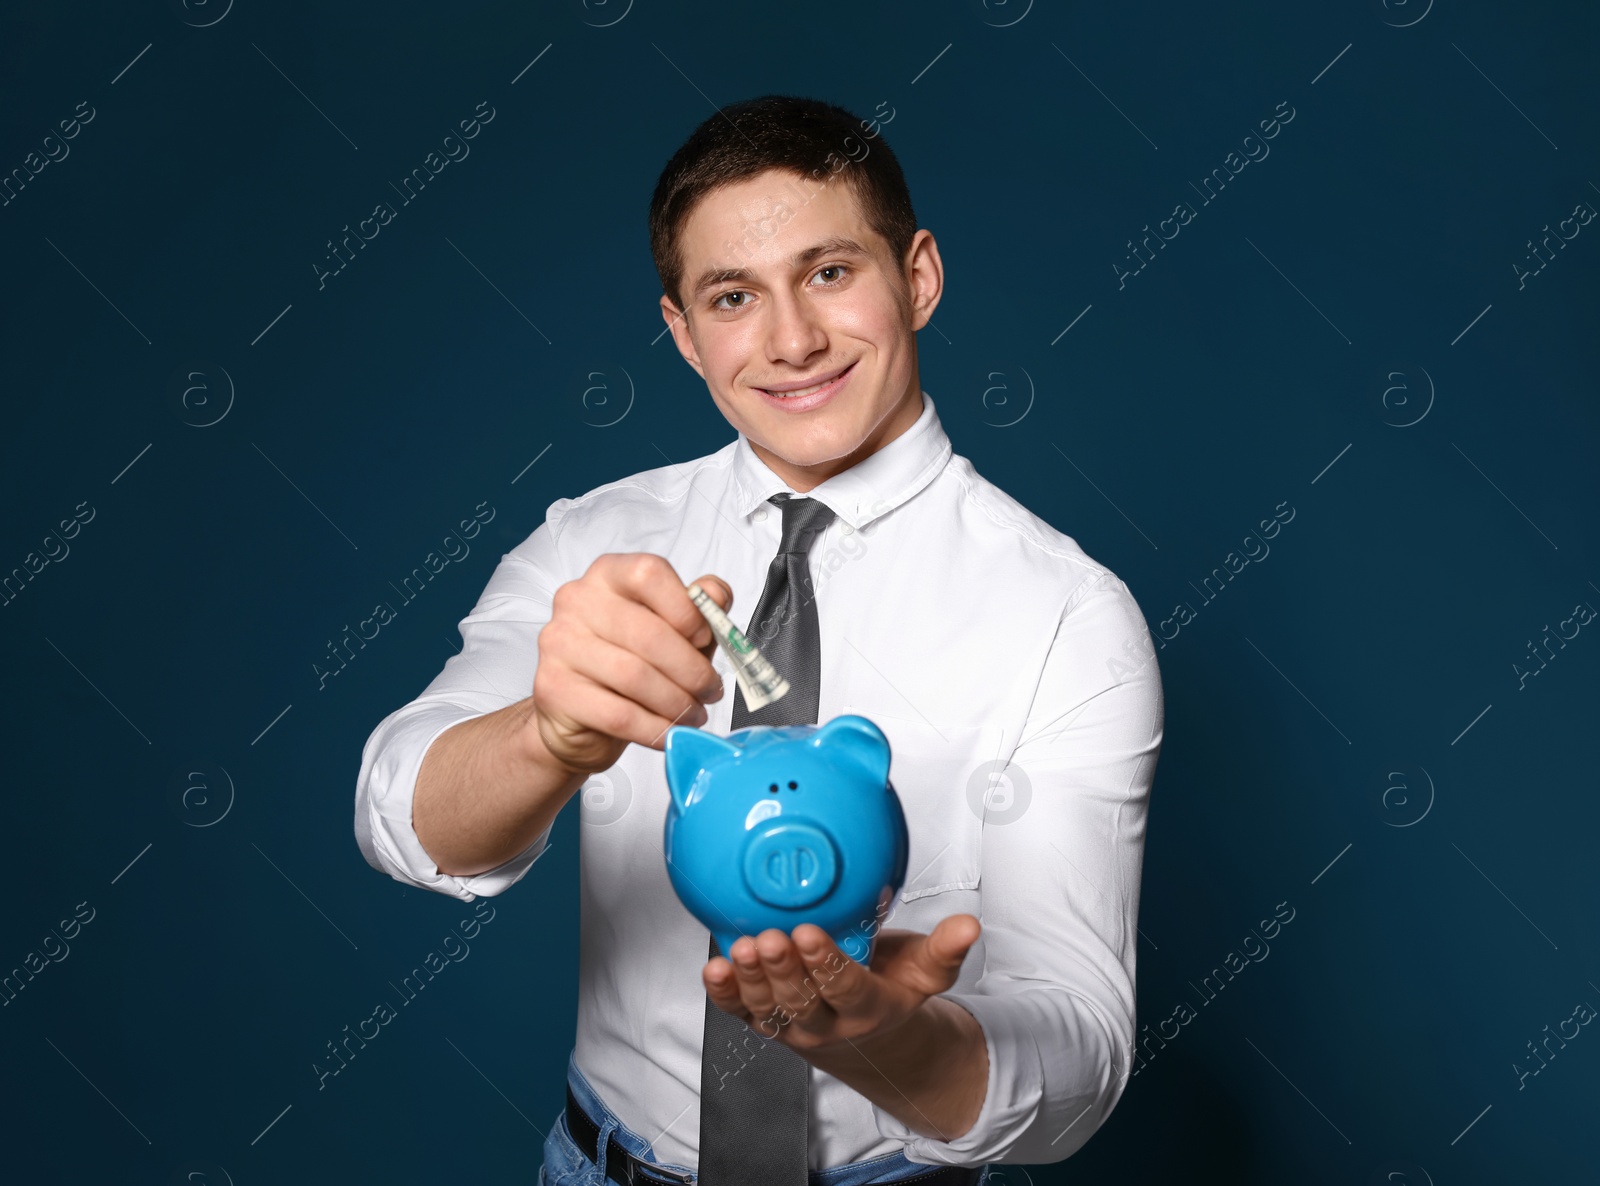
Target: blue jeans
<point>565,1164</point>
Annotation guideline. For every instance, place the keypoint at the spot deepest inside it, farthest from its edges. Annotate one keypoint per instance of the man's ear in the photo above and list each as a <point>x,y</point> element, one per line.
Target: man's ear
<point>678,322</point>
<point>924,272</point>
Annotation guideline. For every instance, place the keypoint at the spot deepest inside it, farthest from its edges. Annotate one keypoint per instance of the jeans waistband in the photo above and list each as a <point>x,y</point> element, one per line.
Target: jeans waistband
<point>889,1167</point>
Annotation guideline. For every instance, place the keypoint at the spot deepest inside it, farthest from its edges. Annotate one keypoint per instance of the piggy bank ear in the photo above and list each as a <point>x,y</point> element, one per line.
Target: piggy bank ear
<point>857,739</point>
<point>689,751</point>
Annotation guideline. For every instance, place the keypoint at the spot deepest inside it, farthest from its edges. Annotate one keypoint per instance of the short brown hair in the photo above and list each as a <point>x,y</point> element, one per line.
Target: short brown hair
<point>804,136</point>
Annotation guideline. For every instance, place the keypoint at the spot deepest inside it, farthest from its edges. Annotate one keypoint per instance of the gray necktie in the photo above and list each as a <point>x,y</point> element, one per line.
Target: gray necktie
<point>755,1093</point>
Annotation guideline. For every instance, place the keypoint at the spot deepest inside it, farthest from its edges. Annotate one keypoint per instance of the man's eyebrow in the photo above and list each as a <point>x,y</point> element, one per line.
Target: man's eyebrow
<point>836,245</point>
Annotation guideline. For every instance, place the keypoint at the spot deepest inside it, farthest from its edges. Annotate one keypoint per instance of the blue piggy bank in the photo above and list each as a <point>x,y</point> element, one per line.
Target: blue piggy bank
<point>773,826</point>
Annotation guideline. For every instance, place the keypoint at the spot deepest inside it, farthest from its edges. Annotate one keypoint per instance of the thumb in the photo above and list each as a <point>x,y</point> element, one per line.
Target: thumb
<point>930,963</point>
<point>718,590</point>
<point>948,944</point>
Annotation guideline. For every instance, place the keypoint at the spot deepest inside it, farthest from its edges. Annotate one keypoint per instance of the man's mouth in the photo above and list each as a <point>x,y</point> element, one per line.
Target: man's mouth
<point>805,389</point>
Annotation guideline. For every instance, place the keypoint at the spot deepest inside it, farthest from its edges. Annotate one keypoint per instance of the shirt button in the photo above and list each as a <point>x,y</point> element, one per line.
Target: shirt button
<point>760,516</point>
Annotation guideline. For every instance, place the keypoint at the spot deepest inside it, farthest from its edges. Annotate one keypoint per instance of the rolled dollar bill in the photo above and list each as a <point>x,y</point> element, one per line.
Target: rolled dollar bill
<point>760,681</point>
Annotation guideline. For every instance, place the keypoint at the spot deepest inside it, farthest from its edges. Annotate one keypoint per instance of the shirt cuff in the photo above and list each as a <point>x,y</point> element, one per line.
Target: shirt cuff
<point>1040,1104</point>
<point>384,794</point>
<point>1011,1099</point>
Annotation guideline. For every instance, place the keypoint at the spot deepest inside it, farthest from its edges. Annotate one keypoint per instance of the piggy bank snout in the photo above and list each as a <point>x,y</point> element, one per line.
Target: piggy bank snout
<point>790,864</point>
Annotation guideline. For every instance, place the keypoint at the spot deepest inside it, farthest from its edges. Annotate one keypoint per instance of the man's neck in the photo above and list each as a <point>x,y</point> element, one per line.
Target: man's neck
<point>802,478</point>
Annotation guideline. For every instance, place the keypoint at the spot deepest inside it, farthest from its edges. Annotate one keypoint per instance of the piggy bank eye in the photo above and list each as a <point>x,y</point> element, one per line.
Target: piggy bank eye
<point>793,786</point>
<point>773,788</point>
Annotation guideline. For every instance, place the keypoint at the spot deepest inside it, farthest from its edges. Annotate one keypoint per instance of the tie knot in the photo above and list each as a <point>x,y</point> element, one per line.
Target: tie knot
<point>803,520</point>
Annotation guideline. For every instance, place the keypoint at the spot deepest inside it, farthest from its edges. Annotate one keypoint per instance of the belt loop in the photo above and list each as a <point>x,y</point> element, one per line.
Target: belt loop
<point>607,1127</point>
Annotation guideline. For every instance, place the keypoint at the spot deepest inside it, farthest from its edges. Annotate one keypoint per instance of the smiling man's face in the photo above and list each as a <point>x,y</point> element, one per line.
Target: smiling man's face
<point>803,327</point>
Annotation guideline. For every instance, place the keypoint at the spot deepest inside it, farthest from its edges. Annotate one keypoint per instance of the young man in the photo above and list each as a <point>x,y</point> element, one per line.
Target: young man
<point>1013,675</point>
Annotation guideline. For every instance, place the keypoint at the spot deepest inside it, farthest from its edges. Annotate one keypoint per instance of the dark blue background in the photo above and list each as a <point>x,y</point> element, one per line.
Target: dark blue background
<point>1372,251</point>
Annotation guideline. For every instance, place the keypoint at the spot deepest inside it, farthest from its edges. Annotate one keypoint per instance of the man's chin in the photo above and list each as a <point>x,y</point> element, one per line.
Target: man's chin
<point>809,450</point>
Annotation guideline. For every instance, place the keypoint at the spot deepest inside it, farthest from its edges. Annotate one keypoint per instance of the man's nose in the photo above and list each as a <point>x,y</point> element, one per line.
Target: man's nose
<point>795,333</point>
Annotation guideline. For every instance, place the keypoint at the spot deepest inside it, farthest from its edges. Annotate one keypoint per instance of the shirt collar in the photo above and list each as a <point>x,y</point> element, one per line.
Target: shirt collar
<point>872,487</point>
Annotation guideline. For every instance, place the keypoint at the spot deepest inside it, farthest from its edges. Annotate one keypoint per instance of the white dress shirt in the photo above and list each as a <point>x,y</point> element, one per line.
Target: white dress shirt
<point>1016,681</point>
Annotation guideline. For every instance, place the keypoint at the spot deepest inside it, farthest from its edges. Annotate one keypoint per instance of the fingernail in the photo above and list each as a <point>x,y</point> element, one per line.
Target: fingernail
<point>699,716</point>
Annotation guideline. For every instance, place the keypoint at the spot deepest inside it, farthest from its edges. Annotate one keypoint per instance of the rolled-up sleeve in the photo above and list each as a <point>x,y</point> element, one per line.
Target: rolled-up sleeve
<point>1060,895</point>
<point>495,668</point>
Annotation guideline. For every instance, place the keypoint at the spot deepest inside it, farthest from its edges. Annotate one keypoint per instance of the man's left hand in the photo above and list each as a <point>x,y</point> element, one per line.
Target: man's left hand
<point>802,990</point>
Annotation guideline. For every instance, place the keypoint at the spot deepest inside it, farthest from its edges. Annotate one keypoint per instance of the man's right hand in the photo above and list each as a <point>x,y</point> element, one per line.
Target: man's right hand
<point>624,656</point>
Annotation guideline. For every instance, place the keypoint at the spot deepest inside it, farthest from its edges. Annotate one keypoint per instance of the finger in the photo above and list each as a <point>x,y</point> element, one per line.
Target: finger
<point>905,957</point>
<point>641,632</point>
<point>651,581</point>
<point>717,589</point>
<point>952,939</point>
<point>722,986</point>
<point>793,986</point>
<point>587,705</point>
<point>932,965</point>
<point>720,592</point>
<point>755,990</point>
<point>847,988</point>
<point>625,673</point>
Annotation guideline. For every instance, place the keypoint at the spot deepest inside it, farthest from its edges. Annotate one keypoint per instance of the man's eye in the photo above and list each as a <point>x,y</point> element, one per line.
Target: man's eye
<point>717,303</point>
<point>837,268</point>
